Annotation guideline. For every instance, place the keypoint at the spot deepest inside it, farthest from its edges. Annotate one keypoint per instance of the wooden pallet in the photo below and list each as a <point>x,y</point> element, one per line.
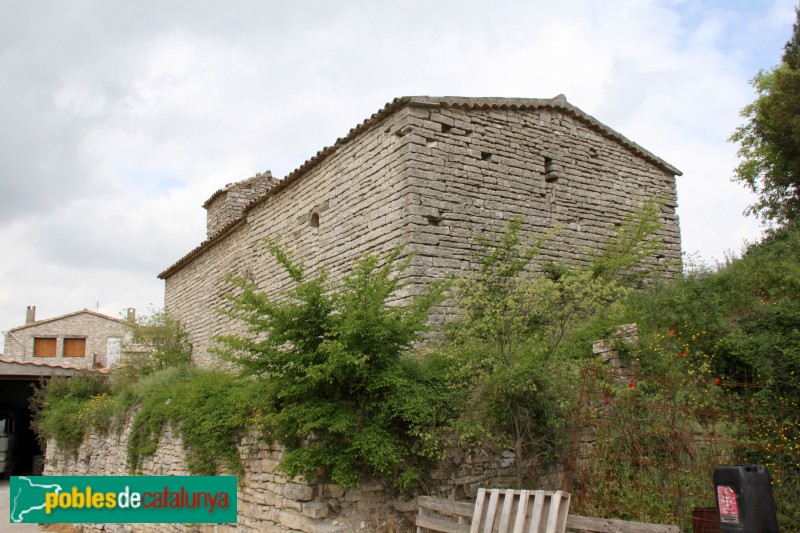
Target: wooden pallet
<point>444,516</point>
<point>607,525</point>
<point>496,511</point>
<point>447,516</point>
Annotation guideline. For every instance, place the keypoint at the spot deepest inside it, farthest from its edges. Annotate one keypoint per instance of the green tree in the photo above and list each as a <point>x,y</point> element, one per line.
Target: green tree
<point>340,392</point>
<point>155,341</point>
<point>514,321</point>
<point>769,143</point>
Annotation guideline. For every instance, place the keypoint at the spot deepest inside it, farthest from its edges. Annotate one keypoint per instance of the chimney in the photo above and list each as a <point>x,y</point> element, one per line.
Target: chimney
<point>131,315</point>
<point>30,314</point>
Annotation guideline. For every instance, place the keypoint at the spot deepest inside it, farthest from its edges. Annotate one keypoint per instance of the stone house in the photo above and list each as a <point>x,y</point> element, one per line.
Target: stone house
<point>83,339</point>
<point>427,173</point>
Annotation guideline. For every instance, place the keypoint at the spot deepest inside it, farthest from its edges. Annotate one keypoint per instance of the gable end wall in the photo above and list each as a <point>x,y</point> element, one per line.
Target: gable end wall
<point>97,331</point>
<point>473,170</point>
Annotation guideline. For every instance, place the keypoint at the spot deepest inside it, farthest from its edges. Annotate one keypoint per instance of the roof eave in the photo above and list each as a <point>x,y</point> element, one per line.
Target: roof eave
<point>559,102</point>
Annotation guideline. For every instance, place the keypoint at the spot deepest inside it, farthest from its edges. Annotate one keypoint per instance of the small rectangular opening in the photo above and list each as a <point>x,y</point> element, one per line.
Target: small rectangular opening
<point>550,174</point>
<point>486,156</point>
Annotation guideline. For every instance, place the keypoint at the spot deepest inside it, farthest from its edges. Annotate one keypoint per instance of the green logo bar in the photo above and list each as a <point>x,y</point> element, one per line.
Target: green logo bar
<point>123,499</point>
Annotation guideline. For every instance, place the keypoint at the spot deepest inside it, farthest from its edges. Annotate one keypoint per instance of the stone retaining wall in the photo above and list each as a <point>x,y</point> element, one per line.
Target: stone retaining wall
<point>267,500</point>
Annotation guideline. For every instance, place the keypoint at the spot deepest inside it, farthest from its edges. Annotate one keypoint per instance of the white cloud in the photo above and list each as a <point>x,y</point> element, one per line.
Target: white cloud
<point>121,119</point>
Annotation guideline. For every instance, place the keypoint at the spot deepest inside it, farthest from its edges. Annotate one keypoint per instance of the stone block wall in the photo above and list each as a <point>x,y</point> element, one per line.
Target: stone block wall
<point>348,205</point>
<point>474,169</point>
<point>268,501</point>
<point>608,349</point>
<point>584,438</point>
<point>97,329</point>
<point>432,175</point>
<point>228,203</point>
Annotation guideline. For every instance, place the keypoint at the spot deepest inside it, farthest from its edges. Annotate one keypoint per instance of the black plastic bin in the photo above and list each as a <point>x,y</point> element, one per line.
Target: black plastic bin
<point>744,497</point>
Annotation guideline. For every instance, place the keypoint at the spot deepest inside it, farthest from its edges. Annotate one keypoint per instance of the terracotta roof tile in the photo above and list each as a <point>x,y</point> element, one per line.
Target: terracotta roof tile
<point>53,365</point>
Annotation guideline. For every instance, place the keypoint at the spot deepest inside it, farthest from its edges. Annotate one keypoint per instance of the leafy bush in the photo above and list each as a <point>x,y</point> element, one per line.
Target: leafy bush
<point>508,353</point>
<point>331,371</point>
<point>65,408</point>
<point>341,392</point>
<point>210,410</point>
<point>155,341</point>
<point>733,324</point>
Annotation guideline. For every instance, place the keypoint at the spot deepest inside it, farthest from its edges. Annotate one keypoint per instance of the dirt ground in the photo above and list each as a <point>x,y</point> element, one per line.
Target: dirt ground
<point>61,528</point>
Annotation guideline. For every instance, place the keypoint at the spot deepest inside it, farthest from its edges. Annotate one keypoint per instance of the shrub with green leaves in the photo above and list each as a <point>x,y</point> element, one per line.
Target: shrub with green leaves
<point>210,410</point>
<point>341,391</point>
<point>155,341</point>
<point>65,408</point>
<point>739,323</point>
<point>508,351</point>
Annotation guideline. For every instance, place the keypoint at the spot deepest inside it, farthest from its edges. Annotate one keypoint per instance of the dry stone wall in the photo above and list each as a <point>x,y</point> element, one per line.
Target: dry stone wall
<point>431,176</point>
<point>356,196</point>
<point>228,204</point>
<point>267,501</point>
<point>473,170</point>
<point>584,438</point>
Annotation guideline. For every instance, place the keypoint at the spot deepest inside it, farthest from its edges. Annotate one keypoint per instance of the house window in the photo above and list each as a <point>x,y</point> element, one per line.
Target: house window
<point>44,347</point>
<point>75,347</point>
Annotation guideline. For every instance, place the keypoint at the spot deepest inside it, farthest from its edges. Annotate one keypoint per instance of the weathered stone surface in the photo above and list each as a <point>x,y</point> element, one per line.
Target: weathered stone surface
<point>316,509</point>
<point>228,203</point>
<point>296,521</point>
<point>279,506</point>
<point>298,492</point>
<point>432,175</point>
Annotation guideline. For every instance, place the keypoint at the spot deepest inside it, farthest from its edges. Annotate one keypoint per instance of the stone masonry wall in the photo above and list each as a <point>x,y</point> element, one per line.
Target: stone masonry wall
<point>357,197</point>
<point>432,178</point>
<point>227,204</point>
<point>95,328</point>
<point>267,501</point>
<point>473,170</point>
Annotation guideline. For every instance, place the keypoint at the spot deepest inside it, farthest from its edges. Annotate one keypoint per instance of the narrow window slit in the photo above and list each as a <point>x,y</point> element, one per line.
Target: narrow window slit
<point>550,173</point>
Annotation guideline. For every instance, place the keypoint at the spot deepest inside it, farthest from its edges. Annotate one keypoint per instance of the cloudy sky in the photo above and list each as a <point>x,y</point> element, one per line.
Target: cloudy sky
<point>118,119</point>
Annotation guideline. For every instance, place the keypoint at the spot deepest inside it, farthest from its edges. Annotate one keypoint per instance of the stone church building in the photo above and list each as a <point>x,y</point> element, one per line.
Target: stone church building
<point>429,173</point>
